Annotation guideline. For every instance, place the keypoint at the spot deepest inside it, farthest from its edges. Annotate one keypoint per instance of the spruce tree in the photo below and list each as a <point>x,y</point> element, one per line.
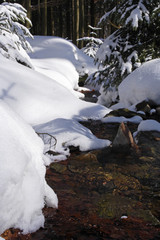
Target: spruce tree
<point>134,41</point>
<point>92,42</point>
<point>13,33</point>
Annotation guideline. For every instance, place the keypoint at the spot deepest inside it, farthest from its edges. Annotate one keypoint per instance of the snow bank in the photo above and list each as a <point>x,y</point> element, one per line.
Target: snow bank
<point>54,48</point>
<point>69,133</point>
<point>39,99</point>
<point>141,84</point>
<point>61,71</point>
<point>149,125</point>
<point>23,188</point>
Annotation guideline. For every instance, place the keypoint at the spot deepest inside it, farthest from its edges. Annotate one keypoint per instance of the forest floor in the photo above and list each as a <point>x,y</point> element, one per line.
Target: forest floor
<point>104,194</point>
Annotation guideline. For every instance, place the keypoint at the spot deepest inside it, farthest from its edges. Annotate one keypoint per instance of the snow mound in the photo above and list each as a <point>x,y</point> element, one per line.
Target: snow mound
<point>69,133</point>
<point>149,125</point>
<point>23,188</point>
<point>39,99</point>
<point>46,47</point>
<point>141,84</point>
<point>61,71</point>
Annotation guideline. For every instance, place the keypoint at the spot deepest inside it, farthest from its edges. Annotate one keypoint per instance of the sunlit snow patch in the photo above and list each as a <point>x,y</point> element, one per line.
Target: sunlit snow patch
<point>141,84</point>
<point>148,125</point>
<point>23,188</point>
<point>70,133</point>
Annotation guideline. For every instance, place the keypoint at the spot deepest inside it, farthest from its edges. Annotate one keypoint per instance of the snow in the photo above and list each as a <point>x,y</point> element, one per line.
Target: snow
<point>124,217</point>
<point>106,98</point>
<point>13,33</point>
<point>23,188</point>
<point>135,17</point>
<point>141,84</point>
<point>39,99</point>
<point>136,14</point>
<point>149,125</point>
<point>53,48</point>
<point>33,98</point>
<point>74,134</point>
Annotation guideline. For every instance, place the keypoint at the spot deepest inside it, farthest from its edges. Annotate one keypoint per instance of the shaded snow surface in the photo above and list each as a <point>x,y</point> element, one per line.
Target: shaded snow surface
<point>39,99</point>
<point>55,48</point>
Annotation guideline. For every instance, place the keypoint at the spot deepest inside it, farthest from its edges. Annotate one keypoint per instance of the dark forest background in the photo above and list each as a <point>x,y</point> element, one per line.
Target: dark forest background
<point>64,18</point>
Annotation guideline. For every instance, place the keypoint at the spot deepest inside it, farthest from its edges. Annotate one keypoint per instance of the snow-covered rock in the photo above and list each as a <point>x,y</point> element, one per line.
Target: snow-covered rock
<point>141,84</point>
<point>74,134</point>
<point>149,125</point>
<point>23,188</point>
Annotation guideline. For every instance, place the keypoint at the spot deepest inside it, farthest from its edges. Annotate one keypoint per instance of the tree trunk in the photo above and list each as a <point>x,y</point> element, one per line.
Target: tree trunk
<point>60,15</point>
<point>73,22</point>
<point>76,21</point>
<point>39,17</point>
<point>52,22</point>
<point>81,22</point>
<point>92,13</point>
<point>68,7</point>
<point>28,8</point>
<point>44,17</point>
<point>86,22</point>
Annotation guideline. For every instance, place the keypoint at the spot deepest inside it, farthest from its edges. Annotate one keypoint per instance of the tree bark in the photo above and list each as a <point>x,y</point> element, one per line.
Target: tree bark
<point>60,15</point>
<point>39,16</point>
<point>68,18</point>
<point>28,8</point>
<point>44,14</point>
<point>81,22</point>
<point>76,21</point>
<point>92,13</point>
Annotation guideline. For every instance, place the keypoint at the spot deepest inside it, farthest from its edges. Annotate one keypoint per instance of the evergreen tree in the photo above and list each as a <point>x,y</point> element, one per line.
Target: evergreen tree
<point>13,33</point>
<point>135,40</point>
<point>93,43</point>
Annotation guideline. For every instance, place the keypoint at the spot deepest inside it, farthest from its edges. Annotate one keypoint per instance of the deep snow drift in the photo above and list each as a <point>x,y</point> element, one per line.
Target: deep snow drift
<point>141,84</point>
<point>69,133</point>
<point>39,99</point>
<point>49,103</point>
<point>53,48</point>
<point>23,188</point>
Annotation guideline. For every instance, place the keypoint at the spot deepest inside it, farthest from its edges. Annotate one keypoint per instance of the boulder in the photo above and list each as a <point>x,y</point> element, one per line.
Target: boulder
<point>125,112</point>
<point>123,140</point>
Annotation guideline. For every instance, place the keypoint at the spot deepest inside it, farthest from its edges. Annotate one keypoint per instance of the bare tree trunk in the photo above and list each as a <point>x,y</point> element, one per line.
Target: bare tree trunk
<point>92,13</point>
<point>68,18</point>
<point>52,22</point>
<point>28,8</point>
<point>60,15</point>
<point>44,14</point>
<point>39,17</point>
<point>86,21</point>
<point>76,21</point>
<point>81,22</point>
<point>73,22</point>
